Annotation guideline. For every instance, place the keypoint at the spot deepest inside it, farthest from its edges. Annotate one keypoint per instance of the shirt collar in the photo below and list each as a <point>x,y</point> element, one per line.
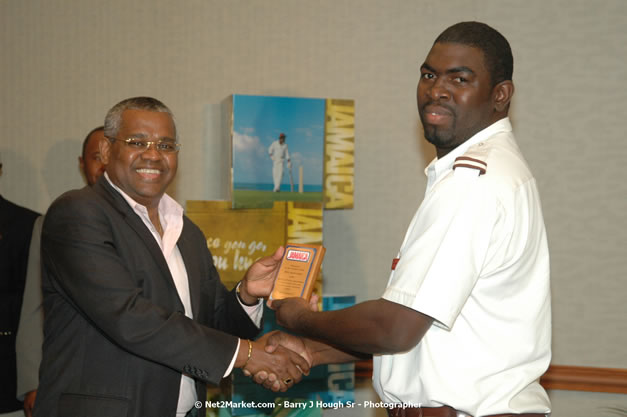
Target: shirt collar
<point>438,166</point>
<point>167,205</point>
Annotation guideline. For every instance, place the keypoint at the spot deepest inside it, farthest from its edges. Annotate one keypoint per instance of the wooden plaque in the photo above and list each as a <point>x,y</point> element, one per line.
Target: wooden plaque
<point>298,271</point>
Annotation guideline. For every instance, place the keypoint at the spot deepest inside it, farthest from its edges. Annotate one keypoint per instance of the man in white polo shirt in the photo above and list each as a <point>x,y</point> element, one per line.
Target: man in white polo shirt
<point>463,327</point>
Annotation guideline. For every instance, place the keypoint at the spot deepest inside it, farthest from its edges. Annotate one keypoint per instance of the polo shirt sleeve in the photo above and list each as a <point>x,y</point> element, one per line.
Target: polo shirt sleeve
<point>445,248</point>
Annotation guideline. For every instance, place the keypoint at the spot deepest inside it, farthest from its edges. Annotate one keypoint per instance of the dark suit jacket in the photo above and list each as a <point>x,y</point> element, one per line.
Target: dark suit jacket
<point>116,338</point>
<point>16,228</point>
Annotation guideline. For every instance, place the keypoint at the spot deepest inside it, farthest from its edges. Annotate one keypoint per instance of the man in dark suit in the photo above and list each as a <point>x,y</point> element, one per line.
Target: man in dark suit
<point>136,318</point>
<point>16,226</point>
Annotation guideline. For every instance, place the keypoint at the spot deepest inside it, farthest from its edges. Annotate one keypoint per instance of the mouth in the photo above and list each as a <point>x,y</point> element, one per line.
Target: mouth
<point>436,115</point>
<point>149,174</point>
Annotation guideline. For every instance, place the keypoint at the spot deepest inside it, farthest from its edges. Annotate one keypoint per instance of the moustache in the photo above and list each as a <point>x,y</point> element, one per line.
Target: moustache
<point>436,104</point>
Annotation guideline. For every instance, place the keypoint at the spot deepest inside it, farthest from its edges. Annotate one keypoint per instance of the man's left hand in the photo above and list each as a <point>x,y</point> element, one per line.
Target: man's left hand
<point>289,312</point>
<point>259,279</point>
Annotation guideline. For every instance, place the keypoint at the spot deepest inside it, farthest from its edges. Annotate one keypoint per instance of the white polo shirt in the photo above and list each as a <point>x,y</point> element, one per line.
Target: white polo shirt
<point>475,258</point>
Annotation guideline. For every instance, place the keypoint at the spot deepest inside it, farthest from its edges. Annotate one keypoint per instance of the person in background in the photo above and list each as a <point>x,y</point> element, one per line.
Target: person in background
<point>464,325</point>
<point>16,227</point>
<point>90,161</point>
<point>30,329</point>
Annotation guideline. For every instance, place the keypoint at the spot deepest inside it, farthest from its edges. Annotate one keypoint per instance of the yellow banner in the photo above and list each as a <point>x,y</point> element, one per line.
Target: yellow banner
<point>339,150</point>
<point>237,238</point>
<point>304,225</point>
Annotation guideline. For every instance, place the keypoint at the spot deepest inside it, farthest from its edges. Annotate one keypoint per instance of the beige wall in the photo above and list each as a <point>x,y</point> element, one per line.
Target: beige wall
<point>64,63</point>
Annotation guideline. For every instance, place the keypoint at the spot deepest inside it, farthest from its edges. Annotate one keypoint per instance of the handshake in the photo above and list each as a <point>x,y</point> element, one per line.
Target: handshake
<point>277,360</point>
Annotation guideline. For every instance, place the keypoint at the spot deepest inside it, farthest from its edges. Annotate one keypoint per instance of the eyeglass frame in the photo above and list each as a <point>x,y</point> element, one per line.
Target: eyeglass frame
<point>148,143</point>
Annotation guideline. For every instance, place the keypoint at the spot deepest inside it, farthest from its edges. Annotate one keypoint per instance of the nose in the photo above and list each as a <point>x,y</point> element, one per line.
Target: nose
<point>151,152</point>
<point>437,89</point>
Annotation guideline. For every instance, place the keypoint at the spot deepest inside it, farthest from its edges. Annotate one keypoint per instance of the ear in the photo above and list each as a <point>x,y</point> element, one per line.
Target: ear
<point>81,163</point>
<point>104,146</point>
<point>502,94</point>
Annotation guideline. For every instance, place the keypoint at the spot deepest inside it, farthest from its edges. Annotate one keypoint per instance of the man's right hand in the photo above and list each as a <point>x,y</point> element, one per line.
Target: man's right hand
<point>284,365</point>
<point>275,340</point>
<point>294,343</point>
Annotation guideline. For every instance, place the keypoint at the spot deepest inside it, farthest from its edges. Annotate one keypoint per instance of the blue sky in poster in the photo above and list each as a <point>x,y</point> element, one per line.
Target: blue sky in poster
<point>258,121</point>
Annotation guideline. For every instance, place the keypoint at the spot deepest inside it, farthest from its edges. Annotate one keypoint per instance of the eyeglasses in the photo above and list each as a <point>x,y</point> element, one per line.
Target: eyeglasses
<point>162,146</point>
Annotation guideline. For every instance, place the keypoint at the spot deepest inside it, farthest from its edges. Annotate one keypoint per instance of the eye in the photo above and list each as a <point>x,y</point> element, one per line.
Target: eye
<point>166,146</point>
<point>427,76</point>
<point>134,143</point>
<point>461,80</point>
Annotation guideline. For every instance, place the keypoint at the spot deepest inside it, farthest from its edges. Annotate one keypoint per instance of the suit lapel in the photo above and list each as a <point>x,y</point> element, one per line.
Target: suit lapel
<point>186,248</point>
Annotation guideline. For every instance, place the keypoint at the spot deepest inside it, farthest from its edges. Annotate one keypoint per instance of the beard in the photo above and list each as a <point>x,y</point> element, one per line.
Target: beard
<point>439,136</point>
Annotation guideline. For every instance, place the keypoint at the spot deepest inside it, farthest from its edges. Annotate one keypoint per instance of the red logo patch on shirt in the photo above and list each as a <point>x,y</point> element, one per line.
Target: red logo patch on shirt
<point>394,262</point>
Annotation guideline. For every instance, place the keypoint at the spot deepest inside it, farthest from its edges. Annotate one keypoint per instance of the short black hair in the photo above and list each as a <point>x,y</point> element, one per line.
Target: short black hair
<point>94,130</point>
<point>496,50</point>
